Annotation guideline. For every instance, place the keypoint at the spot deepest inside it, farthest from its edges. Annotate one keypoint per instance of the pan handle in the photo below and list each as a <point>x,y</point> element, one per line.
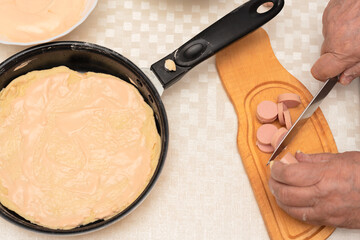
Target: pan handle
<point>225,31</point>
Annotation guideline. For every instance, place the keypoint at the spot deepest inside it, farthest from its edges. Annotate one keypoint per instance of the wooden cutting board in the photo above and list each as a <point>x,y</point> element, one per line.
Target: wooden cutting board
<point>250,73</point>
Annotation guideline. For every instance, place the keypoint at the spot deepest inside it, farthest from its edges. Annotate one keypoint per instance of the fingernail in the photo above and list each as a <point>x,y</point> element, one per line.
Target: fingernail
<point>299,152</point>
<point>271,164</point>
<point>346,79</point>
<point>272,191</point>
<point>304,218</point>
<point>302,153</point>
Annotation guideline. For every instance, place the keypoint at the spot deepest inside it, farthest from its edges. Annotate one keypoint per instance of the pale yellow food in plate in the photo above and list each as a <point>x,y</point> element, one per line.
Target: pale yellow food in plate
<point>28,22</point>
<point>74,148</point>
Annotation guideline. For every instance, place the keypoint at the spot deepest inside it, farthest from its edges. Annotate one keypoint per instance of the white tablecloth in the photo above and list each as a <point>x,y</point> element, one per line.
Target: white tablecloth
<point>203,191</point>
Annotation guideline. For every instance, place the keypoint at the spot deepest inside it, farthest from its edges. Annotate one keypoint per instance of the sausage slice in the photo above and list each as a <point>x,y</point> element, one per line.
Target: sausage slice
<point>281,108</point>
<point>278,136</point>
<point>266,111</point>
<point>265,133</point>
<point>291,100</point>
<point>266,148</point>
<point>287,117</point>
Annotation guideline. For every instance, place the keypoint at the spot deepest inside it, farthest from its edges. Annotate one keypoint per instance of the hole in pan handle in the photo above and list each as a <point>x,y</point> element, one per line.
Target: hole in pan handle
<point>231,27</point>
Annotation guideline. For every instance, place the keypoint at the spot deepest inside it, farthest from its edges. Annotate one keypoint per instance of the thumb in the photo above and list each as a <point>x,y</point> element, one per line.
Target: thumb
<point>314,158</point>
<point>350,74</point>
<point>327,66</point>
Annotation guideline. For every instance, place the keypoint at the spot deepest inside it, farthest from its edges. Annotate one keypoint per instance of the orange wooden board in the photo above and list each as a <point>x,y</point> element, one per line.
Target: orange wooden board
<point>250,73</point>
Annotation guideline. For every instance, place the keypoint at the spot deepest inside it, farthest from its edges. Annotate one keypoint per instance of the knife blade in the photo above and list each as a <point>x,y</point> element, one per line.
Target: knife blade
<point>305,115</point>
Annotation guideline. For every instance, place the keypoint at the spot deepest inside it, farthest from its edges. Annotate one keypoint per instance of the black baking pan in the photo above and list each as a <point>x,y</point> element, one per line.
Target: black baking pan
<point>84,57</point>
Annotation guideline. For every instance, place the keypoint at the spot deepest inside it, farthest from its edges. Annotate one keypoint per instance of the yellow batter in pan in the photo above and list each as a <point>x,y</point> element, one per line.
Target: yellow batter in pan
<point>74,148</point>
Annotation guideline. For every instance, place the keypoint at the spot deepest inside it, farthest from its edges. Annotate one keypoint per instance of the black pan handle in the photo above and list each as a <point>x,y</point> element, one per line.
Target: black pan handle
<point>231,27</point>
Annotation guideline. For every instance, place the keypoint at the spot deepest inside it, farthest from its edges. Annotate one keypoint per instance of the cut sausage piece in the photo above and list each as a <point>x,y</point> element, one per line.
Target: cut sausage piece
<point>287,117</point>
<point>266,148</point>
<point>278,136</point>
<point>281,109</point>
<point>288,159</point>
<point>266,111</point>
<point>265,133</point>
<point>291,100</point>
<point>263,120</point>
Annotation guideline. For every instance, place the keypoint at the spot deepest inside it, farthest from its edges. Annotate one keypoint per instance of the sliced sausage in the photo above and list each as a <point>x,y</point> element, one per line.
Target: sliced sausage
<point>263,120</point>
<point>287,118</point>
<point>266,111</point>
<point>281,109</point>
<point>291,100</point>
<point>265,133</point>
<point>288,159</point>
<point>266,148</point>
<point>278,136</point>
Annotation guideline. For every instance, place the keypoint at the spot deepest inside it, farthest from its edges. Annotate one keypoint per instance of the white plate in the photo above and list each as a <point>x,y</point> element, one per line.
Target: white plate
<point>90,5</point>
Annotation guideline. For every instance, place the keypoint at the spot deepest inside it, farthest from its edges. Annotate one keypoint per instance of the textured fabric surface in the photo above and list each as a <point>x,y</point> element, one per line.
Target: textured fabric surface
<point>203,191</point>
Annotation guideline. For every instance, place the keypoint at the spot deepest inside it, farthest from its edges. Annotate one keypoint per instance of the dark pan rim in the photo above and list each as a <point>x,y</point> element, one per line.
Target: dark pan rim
<point>25,55</point>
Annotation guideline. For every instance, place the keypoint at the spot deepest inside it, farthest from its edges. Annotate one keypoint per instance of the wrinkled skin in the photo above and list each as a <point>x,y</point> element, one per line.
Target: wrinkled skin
<point>322,189</point>
<point>340,52</point>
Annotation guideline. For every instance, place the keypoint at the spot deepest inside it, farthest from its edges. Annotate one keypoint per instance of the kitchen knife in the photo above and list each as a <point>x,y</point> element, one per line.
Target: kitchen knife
<point>306,114</point>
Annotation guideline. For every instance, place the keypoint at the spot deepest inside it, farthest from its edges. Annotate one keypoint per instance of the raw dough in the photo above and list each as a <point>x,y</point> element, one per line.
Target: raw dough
<point>75,147</point>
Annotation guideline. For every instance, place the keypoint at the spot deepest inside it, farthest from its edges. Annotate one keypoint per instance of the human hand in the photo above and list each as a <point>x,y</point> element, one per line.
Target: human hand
<point>340,52</point>
<point>322,189</point>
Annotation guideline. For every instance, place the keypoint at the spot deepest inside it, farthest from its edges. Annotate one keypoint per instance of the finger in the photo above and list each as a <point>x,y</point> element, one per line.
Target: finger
<point>323,46</point>
<point>302,174</point>
<point>350,74</point>
<point>293,196</point>
<point>314,158</point>
<point>304,214</point>
<point>327,66</point>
